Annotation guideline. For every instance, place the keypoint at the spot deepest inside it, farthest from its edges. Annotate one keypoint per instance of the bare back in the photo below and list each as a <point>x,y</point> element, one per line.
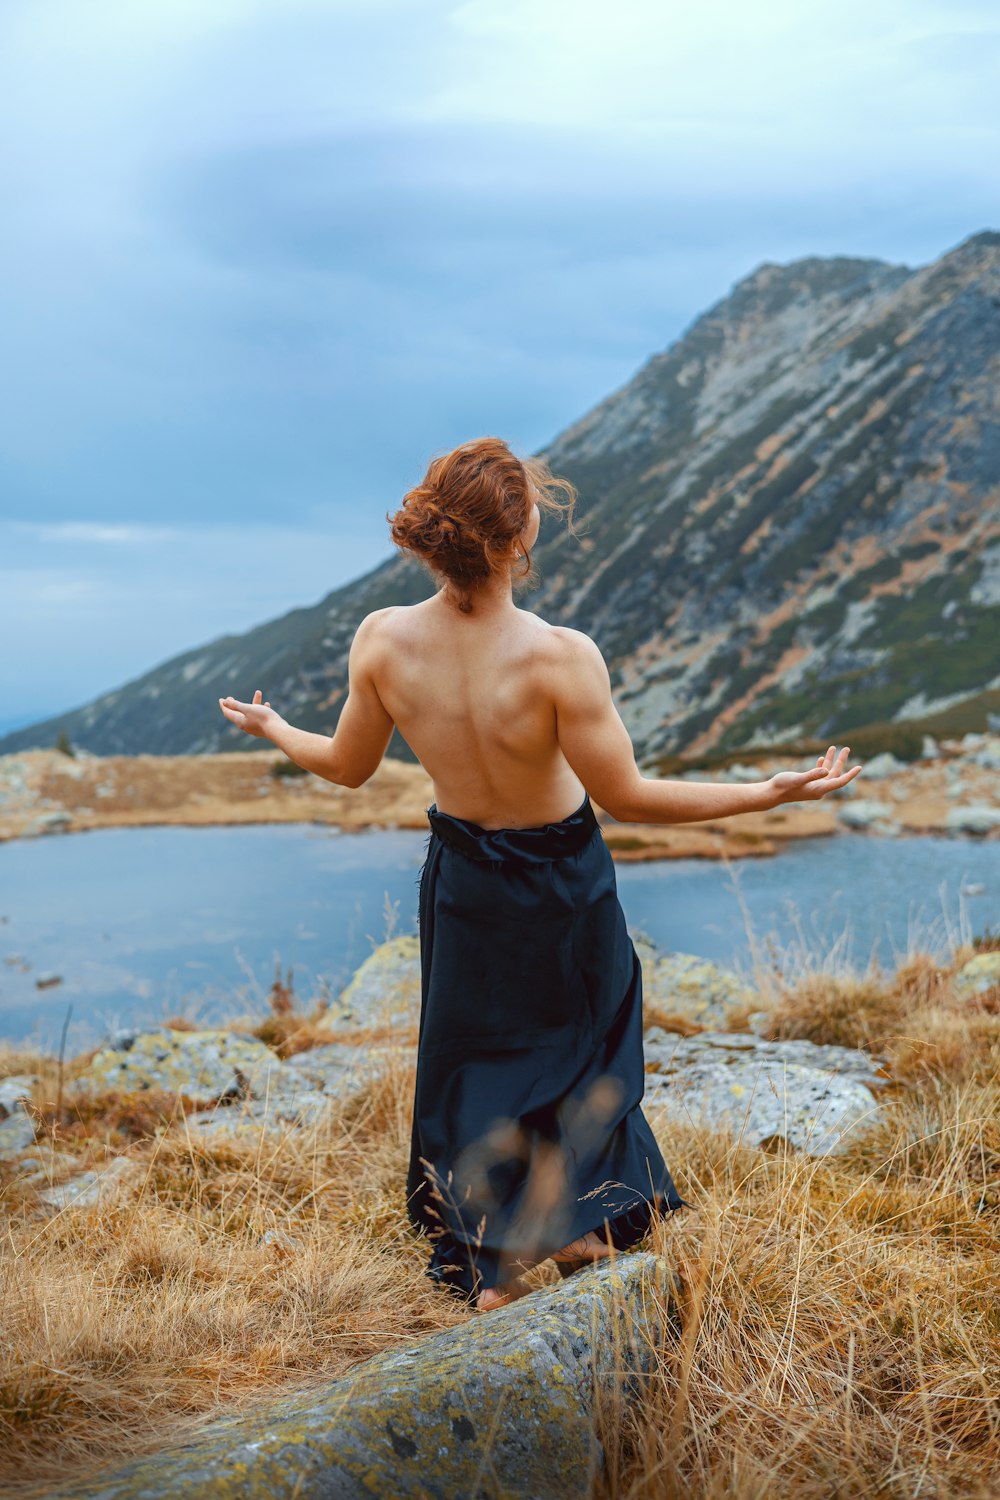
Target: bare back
<point>473,697</point>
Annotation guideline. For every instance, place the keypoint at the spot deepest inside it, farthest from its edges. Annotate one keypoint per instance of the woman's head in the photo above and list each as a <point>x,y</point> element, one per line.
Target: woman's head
<point>474,516</point>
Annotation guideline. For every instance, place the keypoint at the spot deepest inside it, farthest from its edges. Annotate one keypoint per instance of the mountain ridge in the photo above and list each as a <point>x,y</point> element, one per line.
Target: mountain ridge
<point>790,525</point>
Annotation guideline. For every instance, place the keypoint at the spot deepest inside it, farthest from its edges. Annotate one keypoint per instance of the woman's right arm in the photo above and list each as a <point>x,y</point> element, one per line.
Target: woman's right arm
<point>597,745</point>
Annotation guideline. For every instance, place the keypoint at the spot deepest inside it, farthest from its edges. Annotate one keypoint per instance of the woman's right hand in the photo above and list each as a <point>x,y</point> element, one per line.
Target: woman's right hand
<point>810,786</point>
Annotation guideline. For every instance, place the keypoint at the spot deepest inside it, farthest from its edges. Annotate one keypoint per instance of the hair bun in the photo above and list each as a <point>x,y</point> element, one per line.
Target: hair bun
<point>489,492</point>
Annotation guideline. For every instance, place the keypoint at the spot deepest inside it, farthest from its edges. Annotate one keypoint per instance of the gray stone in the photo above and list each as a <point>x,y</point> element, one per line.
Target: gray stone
<point>666,1053</point>
<point>335,1067</point>
<point>385,991</point>
<point>813,1097</point>
<point>739,772</point>
<point>91,1188</point>
<point>209,1064</point>
<point>978,975</point>
<point>501,1405</point>
<point>278,1239</point>
<point>274,1114</point>
<point>882,765</point>
<point>866,814</point>
<point>17,1132</point>
<point>988,755</point>
<point>44,1167</point>
<point>13,1088</point>
<point>974,817</point>
<point>687,985</point>
<point>929,749</point>
<point>53,821</point>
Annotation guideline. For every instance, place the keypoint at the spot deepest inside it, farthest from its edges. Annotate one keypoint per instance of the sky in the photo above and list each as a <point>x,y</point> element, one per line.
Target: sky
<point>262,259</point>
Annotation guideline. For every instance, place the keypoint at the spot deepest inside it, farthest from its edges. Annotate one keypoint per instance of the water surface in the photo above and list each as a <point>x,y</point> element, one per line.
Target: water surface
<point>146,923</point>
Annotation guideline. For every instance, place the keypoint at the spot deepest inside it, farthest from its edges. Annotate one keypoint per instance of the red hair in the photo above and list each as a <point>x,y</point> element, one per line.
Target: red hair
<point>465,517</point>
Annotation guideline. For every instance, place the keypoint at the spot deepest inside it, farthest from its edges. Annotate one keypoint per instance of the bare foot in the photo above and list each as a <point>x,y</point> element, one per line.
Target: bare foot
<point>589,1246</point>
<point>499,1296</point>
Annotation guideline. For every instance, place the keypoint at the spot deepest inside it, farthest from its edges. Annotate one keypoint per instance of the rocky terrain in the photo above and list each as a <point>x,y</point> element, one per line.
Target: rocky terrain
<point>708,1047</point>
<point>951,789</point>
<point>789,530</point>
<point>212,1287</point>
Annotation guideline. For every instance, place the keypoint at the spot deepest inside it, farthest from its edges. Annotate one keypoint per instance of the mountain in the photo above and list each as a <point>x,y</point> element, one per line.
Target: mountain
<point>791,526</point>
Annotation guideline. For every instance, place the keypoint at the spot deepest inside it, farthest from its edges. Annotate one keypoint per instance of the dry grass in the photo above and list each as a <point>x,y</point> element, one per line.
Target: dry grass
<point>841,1316</point>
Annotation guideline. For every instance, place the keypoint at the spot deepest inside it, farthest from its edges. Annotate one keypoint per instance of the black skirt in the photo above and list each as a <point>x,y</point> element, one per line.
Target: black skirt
<point>527,1126</point>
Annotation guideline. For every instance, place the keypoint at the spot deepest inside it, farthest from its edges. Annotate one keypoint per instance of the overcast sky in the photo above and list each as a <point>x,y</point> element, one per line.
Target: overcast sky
<point>262,258</point>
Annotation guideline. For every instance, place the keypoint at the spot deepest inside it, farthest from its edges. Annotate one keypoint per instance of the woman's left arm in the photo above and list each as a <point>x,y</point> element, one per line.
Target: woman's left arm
<point>353,752</point>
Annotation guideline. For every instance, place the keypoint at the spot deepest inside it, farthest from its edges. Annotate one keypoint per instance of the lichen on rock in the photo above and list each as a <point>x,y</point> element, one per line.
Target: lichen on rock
<point>502,1405</point>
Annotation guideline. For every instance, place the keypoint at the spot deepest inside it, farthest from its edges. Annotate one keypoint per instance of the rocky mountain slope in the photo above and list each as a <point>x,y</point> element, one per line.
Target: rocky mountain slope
<point>791,527</point>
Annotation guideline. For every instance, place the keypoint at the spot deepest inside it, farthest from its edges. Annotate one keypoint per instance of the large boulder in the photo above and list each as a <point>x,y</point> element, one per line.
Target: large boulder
<point>385,990</point>
<point>208,1064</point>
<point>245,1084</point>
<point>501,1404</point>
<point>816,1098</point>
<point>702,993</point>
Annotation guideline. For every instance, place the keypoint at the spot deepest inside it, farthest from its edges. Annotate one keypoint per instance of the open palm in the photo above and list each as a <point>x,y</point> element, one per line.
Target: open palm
<point>254,718</point>
<point>809,786</point>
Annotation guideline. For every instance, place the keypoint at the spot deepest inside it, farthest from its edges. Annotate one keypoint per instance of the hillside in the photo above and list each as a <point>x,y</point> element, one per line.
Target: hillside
<point>792,530</point>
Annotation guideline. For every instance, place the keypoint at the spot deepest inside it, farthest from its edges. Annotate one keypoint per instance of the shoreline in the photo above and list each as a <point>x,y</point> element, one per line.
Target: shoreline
<point>44,792</point>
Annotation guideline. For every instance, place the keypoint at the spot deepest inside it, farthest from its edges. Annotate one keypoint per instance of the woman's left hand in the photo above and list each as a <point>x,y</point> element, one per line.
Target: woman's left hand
<point>254,718</point>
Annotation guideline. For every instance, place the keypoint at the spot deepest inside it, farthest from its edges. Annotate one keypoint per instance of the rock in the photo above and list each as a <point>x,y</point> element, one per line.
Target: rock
<point>211,1064</point>
<point>245,1086</point>
<point>335,1067</point>
<point>928,748</point>
<point>274,1114</point>
<point>687,985</point>
<point>502,1403</point>
<point>883,765</point>
<point>51,822</point>
<point>17,1132</point>
<point>974,817</point>
<point>278,1239</point>
<point>44,1167</point>
<point>13,1088</point>
<point>91,1188</point>
<point>862,814</point>
<point>738,772</point>
<point>667,1053</point>
<point>814,1097</point>
<point>385,991</point>
<point>978,975</point>
<point>988,755</point>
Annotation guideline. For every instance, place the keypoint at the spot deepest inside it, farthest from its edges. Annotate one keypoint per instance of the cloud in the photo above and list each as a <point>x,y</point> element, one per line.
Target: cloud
<point>90,604</point>
<point>263,257</point>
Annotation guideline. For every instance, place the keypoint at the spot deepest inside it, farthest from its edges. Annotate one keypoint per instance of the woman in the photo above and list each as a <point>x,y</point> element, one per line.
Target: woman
<point>528,1137</point>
